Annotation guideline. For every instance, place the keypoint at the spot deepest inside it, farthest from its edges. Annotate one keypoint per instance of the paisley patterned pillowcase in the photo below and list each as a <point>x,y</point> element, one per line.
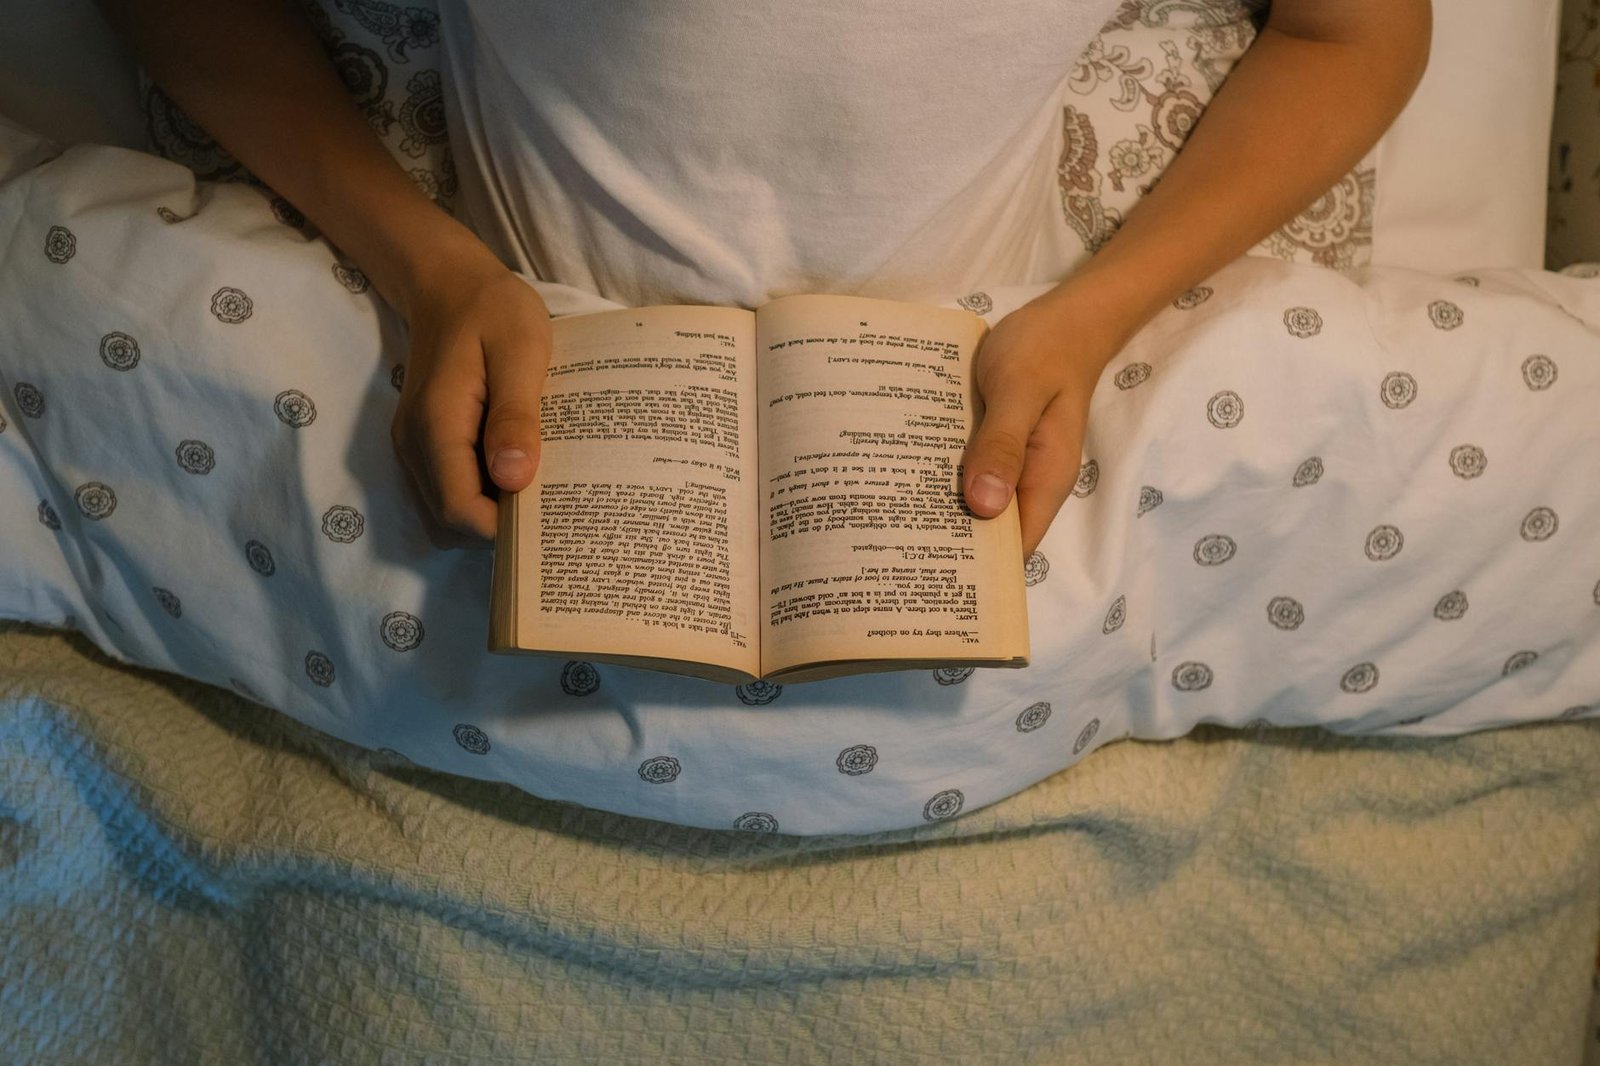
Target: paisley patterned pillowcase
<point>1135,94</point>
<point>388,58</point>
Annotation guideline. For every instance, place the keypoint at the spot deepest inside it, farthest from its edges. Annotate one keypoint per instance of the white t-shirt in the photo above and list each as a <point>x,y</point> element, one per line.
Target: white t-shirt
<point>705,151</point>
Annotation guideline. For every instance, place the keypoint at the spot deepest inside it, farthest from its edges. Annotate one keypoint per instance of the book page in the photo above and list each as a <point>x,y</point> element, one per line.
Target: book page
<point>637,540</point>
<point>868,550</point>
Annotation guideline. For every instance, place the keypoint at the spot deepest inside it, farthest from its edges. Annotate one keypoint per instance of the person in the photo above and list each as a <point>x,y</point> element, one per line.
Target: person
<point>1313,93</point>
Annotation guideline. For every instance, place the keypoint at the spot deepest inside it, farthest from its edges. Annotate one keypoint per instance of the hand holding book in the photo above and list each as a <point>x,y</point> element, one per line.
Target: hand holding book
<point>1035,373</point>
<point>480,343</point>
<point>772,494</point>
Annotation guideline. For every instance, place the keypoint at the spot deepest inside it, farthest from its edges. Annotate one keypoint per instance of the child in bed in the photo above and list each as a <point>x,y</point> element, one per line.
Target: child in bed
<point>1314,92</point>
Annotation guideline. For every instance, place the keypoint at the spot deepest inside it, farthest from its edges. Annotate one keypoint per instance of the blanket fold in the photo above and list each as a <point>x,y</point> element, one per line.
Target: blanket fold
<point>185,874</point>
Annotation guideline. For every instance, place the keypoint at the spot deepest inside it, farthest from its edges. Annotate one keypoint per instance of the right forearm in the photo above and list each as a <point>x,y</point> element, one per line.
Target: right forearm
<point>252,73</point>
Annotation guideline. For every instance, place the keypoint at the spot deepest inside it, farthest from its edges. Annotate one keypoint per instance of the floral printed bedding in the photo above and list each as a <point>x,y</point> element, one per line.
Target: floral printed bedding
<point>1267,527</point>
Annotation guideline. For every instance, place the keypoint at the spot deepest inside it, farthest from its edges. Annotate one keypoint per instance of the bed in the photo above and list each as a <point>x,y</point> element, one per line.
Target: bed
<point>189,877</point>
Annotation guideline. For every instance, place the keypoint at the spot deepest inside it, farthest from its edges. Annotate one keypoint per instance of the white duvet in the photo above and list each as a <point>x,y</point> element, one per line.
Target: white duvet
<point>1367,502</point>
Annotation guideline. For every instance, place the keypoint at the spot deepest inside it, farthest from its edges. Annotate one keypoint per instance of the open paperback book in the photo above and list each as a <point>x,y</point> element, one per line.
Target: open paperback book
<point>773,494</point>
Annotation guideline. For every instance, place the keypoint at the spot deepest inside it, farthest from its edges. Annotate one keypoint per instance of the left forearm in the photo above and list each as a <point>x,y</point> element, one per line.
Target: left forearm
<point>1295,114</point>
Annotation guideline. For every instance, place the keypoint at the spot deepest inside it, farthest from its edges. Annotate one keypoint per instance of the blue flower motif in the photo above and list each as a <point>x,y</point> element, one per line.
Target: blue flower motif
<point>944,805</point>
<point>60,244</point>
<point>1088,478</point>
<point>351,278</point>
<point>1398,390</point>
<point>756,822</point>
<point>1191,677</point>
<point>1035,568</point>
<point>857,760</point>
<point>231,305</point>
<point>1445,315</point>
<point>1225,410</point>
<point>1086,735</point>
<point>1451,605</point>
<point>319,668</point>
<point>1541,523</point>
<point>1518,661</point>
<point>579,678</point>
<point>95,500</point>
<point>119,351</point>
<point>294,408</point>
<point>343,524</point>
<point>1362,677</point>
<point>259,558</point>
<point>757,693</point>
<point>978,303</point>
<point>1302,322</point>
<point>660,770</point>
<point>1468,461</point>
<point>1132,375</point>
<point>287,213</point>
<point>401,631</point>
<point>1308,472</point>
<point>1384,543</point>
<point>169,602</point>
<point>1214,549</point>
<point>196,456</point>
<point>472,738</point>
<point>1285,612</point>
<point>1149,499</point>
<point>1539,372</point>
<point>1033,716</point>
<point>30,401</point>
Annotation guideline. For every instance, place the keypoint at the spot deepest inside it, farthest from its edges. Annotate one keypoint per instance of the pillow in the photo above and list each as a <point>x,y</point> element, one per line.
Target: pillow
<point>1268,526</point>
<point>1463,169</point>
<point>1131,100</point>
<point>1457,181</point>
<point>388,58</point>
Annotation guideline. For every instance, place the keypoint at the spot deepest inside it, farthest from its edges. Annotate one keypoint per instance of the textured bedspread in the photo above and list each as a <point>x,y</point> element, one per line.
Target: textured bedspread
<point>185,876</point>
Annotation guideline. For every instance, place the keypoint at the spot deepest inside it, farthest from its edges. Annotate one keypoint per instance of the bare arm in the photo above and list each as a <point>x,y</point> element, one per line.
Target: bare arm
<point>254,75</point>
<point>1308,99</point>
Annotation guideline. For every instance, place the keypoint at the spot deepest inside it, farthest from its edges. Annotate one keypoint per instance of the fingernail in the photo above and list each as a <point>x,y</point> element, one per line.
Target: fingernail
<point>989,493</point>
<point>509,463</point>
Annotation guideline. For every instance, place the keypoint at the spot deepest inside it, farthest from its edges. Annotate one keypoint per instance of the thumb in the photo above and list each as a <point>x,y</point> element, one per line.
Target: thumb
<point>511,431</point>
<point>993,461</point>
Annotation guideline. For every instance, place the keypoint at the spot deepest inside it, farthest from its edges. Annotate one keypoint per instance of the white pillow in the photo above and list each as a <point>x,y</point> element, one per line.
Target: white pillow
<point>1283,514</point>
<point>1460,176</point>
<point>1462,172</point>
<point>1127,109</point>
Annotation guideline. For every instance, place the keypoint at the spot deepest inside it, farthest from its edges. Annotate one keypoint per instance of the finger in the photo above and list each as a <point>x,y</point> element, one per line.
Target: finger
<point>511,435</point>
<point>994,459</point>
<point>449,452</point>
<point>418,490</point>
<point>1049,474</point>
